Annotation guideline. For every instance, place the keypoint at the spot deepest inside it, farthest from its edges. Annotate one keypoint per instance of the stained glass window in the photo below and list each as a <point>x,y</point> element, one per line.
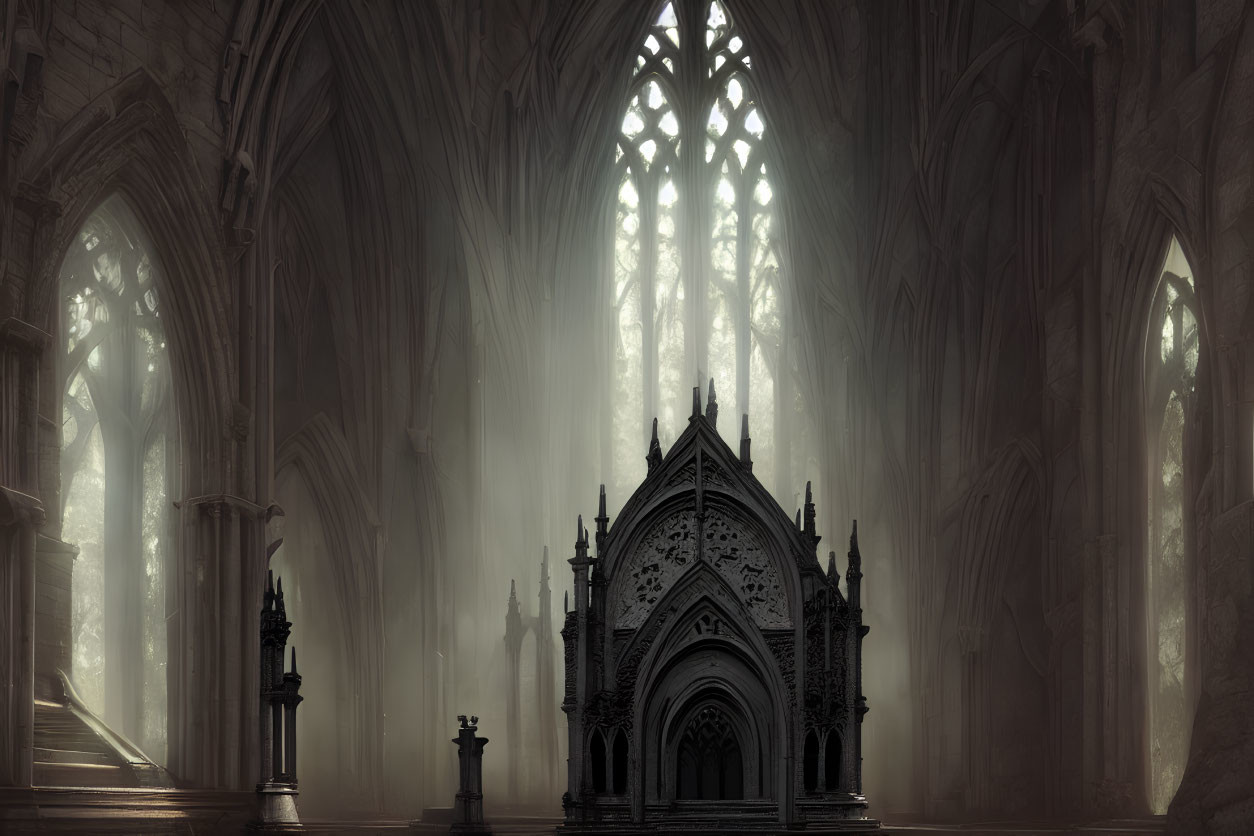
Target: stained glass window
<point>696,266</point>
<point>1172,352</point>
<point>116,466</point>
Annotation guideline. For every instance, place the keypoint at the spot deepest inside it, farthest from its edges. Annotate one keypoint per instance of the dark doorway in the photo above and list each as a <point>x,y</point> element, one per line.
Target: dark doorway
<point>710,765</point>
<point>620,763</point>
<point>831,762</point>
<point>599,764</point>
<point>810,762</point>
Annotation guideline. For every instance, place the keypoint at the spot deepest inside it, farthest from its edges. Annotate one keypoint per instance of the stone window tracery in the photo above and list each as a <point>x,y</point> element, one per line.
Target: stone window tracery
<point>118,460</point>
<point>696,258</point>
<point>1172,353</point>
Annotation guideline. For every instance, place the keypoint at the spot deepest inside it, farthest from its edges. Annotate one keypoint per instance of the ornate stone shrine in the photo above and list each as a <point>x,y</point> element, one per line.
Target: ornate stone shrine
<point>713,670</point>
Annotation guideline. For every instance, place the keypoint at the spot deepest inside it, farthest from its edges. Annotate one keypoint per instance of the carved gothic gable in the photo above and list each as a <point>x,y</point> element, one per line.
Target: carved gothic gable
<point>700,606</point>
<point>662,556</point>
<point>738,555</point>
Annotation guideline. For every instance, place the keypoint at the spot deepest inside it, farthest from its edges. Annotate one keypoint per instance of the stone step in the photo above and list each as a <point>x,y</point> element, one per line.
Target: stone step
<point>44,755</point>
<point>48,774</point>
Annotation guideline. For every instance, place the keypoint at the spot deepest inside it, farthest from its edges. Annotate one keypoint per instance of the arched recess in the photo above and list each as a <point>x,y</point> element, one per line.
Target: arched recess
<point>596,753</point>
<point>1178,453</point>
<point>680,713</point>
<point>688,667</point>
<point>119,463</point>
<point>810,762</point>
<point>707,748</point>
<point>619,765</point>
<point>319,453</point>
<point>831,761</point>
<point>1160,216</point>
<point>128,141</point>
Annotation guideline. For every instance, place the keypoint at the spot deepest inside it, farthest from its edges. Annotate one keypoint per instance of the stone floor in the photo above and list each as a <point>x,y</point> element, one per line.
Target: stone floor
<point>184,812</point>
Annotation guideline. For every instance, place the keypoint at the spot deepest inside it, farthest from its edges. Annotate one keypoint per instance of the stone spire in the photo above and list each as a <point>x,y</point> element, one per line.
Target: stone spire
<point>744,442</point>
<point>603,522</point>
<point>853,574</point>
<point>711,406</point>
<point>810,531</point>
<point>655,450</point>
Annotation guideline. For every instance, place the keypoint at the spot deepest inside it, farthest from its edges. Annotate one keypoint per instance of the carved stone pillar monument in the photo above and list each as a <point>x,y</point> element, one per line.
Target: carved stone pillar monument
<point>468,805</point>
<point>279,698</point>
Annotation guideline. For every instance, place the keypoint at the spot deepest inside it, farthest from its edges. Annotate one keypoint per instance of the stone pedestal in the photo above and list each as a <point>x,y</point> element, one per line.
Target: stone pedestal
<point>277,808</point>
<point>468,804</point>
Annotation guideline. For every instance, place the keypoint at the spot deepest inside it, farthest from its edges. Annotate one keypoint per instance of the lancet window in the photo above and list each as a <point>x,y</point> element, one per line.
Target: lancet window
<point>696,259</point>
<point>118,464</point>
<point>1173,351</point>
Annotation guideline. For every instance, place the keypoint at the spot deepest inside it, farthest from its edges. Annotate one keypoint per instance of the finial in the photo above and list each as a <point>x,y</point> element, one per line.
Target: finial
<point>293,659</point>
<point>565,602</point>
<point>279,593</point>
<point>711,406</point>
<point>579,530</point>
<point>853,576</point>
<point>798,519</point>
<point>855,558</point>
<point>267,599</point>
<point>744,442</point>
<point>696,401</point>
<point>544,565</point>
<point>603,520</point>
<point>809,518</point>
<point>654,458</point>
<point>513,591</point>
<point>831,565</point>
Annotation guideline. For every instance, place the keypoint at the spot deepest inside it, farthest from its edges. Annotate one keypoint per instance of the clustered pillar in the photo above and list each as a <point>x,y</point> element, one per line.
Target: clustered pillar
<point>280,694</point>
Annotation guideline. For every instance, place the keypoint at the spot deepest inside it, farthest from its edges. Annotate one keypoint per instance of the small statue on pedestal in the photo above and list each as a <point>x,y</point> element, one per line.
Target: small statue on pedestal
<point>468,805</point>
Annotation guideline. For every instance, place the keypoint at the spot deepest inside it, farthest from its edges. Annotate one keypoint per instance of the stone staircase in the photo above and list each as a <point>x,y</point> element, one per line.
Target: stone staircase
<point>74,748</point>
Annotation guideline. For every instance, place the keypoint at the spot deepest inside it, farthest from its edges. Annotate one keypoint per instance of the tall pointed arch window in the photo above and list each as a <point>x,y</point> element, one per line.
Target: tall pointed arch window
<point>118,462</point>
<point>696,259</point>
<point>1173,351</point>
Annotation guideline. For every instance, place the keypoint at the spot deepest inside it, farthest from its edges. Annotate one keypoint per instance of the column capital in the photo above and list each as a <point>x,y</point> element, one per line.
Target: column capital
<point>17,508</point>
<point>215,503</point>
<point>17,333</point>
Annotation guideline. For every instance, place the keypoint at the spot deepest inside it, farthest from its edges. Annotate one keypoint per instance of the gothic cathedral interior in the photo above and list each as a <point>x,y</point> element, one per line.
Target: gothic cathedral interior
<point>326,325</point>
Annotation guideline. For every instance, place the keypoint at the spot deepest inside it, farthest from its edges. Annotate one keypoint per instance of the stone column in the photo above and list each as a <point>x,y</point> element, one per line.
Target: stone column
<point>20,515</point>
<point>468,805</point>
<point>214,671</point>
